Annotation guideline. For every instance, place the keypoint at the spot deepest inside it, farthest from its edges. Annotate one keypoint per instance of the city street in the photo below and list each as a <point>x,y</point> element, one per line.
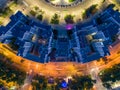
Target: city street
<point>26,5</point>
<point>62,68</point>
<point>75,10</point>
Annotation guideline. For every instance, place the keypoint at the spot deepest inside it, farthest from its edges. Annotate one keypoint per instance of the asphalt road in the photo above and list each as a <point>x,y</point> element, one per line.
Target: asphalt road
<point>51,10</point>
<point>44,5</point>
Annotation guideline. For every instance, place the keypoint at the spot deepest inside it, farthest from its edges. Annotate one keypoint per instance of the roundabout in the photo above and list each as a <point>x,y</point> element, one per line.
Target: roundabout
<point>63,3</point>
<point>50,8</point>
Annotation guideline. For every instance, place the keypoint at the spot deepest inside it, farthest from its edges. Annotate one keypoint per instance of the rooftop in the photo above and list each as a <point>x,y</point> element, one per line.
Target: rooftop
<point>83,42</point>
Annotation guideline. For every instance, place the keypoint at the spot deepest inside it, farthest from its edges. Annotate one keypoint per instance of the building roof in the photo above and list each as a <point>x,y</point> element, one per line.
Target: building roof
<point>90,40</point>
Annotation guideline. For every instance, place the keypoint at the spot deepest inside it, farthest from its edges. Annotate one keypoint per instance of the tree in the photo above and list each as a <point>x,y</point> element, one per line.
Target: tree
<point>69,19</point>
<point>71,0</point>
<point>6,11</point>
<point>22,60</point>
<point>41,81</point>
<point>90,11</point>
<point>57,85</point>
<point>10,73</point>
<point>105,59</point>
<point>110,75</point>
<point>16,1</point>
<point>13,45</point>
<point>1,23</point>
<point>36,8</point>
<point>40,17</point>
<point>107,85</point>
<point>55,19</point>
<point>33,13</point>
<point>81,83</point>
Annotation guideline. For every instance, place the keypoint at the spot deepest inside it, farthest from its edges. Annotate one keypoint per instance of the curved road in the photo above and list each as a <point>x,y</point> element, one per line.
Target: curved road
<point>44,5</point>
<point>50,10</point>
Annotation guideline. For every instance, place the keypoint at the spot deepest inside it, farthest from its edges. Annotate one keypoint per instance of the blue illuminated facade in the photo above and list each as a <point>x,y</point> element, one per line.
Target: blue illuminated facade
<point>84,42</point>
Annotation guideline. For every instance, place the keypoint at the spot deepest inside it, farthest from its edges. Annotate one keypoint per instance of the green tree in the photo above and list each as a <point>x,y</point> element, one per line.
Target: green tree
<point>33,13</point>
<point>81,83</point>
<point>42,81</point>
<point>110,75</point>
<point>69,19</point>
<point>55,19</point>
<point>40,17</point>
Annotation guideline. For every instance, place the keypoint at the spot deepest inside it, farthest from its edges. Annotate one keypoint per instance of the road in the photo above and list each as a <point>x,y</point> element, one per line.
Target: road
<point>51,10</point>
<point>49,69</point>
<point>27,83</point>
<point>95,67</point>
<point>65,68</point>
<point>45,6</point>
<point>94,74</point>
